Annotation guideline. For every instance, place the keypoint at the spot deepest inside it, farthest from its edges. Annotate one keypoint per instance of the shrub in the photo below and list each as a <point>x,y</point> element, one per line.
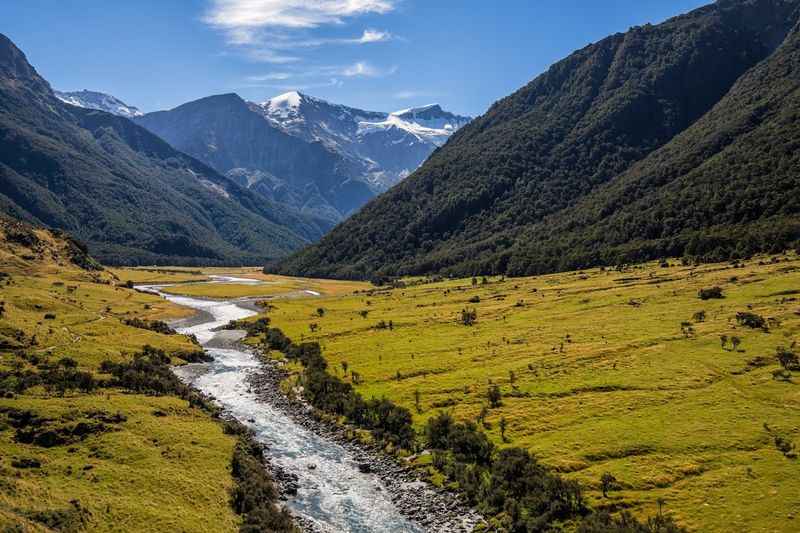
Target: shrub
<point>469,317</point>
<point>787,358</point>
<point>159,326</point>
<point>751,320</point>
<point>251,327</point>
<point>254,494</point>
<point>494,396</point>
<point>710,293</point>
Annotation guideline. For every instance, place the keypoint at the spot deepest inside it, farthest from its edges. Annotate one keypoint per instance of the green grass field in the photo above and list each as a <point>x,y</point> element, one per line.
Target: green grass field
<point>162,466</point>
<point>600,371</point>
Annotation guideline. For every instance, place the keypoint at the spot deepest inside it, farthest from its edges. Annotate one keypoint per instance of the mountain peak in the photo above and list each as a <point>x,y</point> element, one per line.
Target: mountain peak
<point>430,108</point>
<point>292,99</point>
<point>14,64</point>
<point>101,101</point>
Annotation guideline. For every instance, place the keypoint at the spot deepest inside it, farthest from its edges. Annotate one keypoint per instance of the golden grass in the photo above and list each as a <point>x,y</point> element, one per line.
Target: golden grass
<point>154,473</point>
<point>166,468</point>
<point>604,378</point>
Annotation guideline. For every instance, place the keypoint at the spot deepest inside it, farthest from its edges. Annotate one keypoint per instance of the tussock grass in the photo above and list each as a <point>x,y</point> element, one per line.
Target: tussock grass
<point>607,377</point>
<point>165,467</point>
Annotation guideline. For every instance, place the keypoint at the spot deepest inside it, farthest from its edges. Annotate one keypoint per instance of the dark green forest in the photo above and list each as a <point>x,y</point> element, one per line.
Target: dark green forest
<point>672,140</point>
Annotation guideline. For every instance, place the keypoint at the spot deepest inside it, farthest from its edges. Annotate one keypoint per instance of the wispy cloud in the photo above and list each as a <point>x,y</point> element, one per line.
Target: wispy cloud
<point>410,95</point>
<point>312,77</point>
<point>253,14</point>
<point>374,36</point>
<point>365,70</point>
<point>275,31</point>
<point>273,76</point>
<point>265,55</point>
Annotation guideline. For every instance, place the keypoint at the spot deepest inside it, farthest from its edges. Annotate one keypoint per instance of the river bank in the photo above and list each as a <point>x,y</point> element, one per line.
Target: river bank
<point>437,510</point>
<point>329,483</point>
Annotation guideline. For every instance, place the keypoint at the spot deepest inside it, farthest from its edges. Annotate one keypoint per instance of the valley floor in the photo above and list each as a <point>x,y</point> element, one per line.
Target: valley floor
<point>621,371</point>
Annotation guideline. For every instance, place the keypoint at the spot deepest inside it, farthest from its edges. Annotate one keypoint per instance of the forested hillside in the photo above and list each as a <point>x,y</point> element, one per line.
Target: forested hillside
<point>728,187</point>
<point>487,200</point>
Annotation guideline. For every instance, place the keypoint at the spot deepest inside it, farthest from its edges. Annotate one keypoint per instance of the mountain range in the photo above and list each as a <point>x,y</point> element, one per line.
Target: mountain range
<point>321,159</point>
<point>667,140</point>
<point>124,191</point>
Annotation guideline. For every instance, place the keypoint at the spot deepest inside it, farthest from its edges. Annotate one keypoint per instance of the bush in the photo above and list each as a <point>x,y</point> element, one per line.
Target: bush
<point>710,293</point>
<point>467,444</point>
<point>469,317</point>
<point>494,396</point>
<point>252,327</point>
<point>787,358</point>
<point>254,495</point>
<point>159,326</point>
<point>751,320</point>
<point>148,373</point>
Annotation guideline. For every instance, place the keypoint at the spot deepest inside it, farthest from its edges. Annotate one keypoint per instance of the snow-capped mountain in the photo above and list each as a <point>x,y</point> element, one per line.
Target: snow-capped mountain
<point>314,157</point>
<point>101,101</point>
<point>386,147</point>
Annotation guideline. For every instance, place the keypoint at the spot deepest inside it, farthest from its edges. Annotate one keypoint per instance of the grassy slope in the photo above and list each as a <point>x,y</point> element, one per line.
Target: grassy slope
<point>671,417</point>
<point>169,473</point>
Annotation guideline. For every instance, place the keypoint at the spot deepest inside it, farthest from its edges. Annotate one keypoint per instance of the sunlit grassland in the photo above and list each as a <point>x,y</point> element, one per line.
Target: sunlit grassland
<point>83,320</point>
<point>153,473</point>
<point>165,467</point>
<point>605,377</point>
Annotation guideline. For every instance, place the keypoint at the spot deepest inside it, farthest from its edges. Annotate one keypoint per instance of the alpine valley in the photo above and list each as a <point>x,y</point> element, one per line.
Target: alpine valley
<point>578,312</point>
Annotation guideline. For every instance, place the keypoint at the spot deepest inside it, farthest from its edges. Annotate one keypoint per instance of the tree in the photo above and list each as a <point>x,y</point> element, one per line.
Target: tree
<point>723,340</point>
<point>607,481</point>
<point>469,317</point>
<point>736,341</point>
<point>345,364</point>
<point>710,293</point>
<point>503,427</point>
<point>495,397</point>
<point>320,312</point>
<point>787,358</point>
<point>511,376</point>
<point>417,401</point>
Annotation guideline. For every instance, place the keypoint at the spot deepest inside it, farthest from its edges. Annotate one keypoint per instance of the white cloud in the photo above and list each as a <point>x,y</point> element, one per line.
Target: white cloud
<point>266,55</point>
<point>359,69</point>
<point>238,14</point>
<point>365,70</point>
<point>272,76</point>
<point>374,36</point>
<point>410,95</point>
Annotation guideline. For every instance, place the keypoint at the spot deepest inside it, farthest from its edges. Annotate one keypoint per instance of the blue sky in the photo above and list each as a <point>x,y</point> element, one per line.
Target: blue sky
<point>373,54</point>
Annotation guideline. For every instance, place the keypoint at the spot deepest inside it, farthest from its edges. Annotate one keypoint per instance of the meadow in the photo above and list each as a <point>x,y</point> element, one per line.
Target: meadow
<point>620,371</point>
<point>625,371</point>
<point>128,462</point>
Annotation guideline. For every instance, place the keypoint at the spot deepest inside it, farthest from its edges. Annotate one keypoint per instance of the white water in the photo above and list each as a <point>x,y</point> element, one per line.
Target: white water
<point>334,495</point>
